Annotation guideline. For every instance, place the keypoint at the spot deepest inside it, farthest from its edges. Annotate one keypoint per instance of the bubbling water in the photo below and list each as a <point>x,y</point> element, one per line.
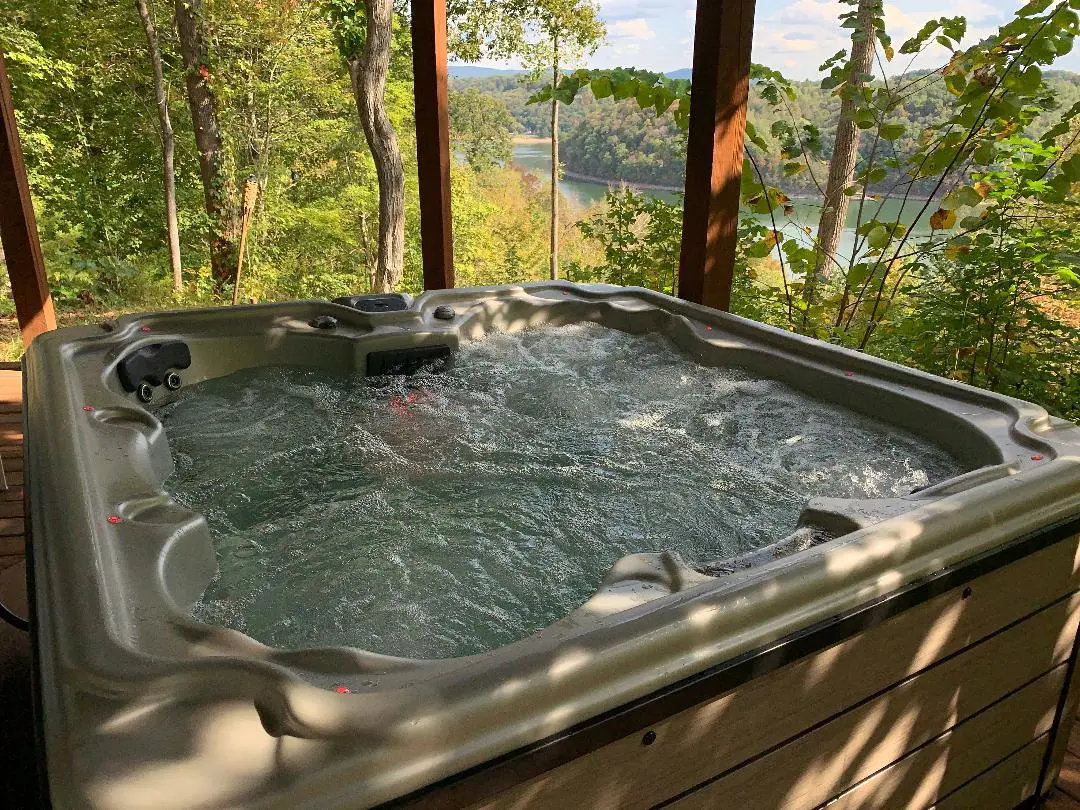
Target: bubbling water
<point>459,509</point>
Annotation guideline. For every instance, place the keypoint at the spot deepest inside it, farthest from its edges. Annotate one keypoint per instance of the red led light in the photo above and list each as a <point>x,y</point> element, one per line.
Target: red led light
<point>849,373</point>
<point>88,408</point>
<point>342,690</point>
<point>708,328</point>
<point>114,519</point>
<point>1036,458</point>
<point>144,328</point>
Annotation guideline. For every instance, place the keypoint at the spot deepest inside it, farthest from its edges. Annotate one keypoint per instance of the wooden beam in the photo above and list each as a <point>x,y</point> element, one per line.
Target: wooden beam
<point>433,141</point>
<point>723,35</point>
<point>18,227</point>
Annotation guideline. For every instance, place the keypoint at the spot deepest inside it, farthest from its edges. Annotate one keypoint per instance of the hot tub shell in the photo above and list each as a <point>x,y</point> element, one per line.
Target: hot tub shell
<point>858,671</point>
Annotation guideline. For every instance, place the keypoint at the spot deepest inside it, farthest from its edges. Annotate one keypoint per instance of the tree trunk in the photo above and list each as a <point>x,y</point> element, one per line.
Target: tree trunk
<point>846,151</point>
<point>555,161</point>
<point>167,143</point>
<point>368,72</point>
<point>218,190</point>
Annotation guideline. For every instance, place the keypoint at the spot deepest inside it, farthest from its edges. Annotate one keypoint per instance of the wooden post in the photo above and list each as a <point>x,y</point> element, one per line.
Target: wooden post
<point>723,35</point>
<point>18,228</point>
<point>433,141</point>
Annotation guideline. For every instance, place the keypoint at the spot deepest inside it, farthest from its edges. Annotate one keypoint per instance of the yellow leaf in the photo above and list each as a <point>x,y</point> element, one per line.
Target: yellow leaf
<point>982,188</point>
<point>942,220</point>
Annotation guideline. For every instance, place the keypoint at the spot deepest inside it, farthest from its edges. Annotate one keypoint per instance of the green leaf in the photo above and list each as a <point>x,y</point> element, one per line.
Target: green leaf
<point>624,89</point>
<point>890,132</point>
<point>601,87</point>
<point>1071,168</point>
<point>1068,276</point>
<point>858,274</point>
<point>878,237</point>
<point>875,175</point>
<point>955,83</point>
<point>644,95</point>
<point>865,118</point>
<point>1025,81</point>
<point>754,138</point>
<point>965,195</point>
<point>985,154</point>
<point>662,99</point>
<point>769,200</point>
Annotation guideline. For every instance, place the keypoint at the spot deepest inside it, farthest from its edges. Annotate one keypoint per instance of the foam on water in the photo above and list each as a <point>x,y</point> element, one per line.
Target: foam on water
<point>452,512</point>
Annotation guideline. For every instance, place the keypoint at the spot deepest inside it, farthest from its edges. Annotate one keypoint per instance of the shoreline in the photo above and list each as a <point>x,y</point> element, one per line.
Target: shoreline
<point>588,178</point>
<point>534,140</point>
<point>531,140</point>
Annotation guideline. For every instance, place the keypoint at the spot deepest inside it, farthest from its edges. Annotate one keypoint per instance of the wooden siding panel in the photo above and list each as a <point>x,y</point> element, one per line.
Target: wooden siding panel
<point>831,759</point>
<point>954,758</point>
<point>1004,786</point>
<point>699,743</point>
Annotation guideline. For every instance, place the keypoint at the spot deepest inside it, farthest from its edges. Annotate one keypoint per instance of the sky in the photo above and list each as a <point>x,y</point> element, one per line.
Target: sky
<point>793,36</point>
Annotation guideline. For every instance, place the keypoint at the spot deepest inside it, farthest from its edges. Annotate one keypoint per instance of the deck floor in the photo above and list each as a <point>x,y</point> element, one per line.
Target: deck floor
<point>11,499</point>
<point>16,734</point>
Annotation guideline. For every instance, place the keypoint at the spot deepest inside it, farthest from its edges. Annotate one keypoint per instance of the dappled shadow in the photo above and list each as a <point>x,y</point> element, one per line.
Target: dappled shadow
<point>900,715</point>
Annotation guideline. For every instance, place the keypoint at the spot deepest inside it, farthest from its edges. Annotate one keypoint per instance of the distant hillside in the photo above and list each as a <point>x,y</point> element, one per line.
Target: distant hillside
<point>622,142</point>
<point>478,72</point>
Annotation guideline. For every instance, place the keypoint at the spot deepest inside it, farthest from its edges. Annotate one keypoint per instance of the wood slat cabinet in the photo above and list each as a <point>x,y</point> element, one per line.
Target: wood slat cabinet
<point>955,697</point>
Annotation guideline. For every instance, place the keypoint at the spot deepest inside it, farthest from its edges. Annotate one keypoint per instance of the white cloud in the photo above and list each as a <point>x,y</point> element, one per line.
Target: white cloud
<point>794,35</point>
<point>636,28</point>
<point>807,12</point>
<point>807,31</point>
<point>649,9</point>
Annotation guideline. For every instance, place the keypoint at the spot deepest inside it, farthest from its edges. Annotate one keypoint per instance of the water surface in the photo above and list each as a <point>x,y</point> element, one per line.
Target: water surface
<point>454,511</point>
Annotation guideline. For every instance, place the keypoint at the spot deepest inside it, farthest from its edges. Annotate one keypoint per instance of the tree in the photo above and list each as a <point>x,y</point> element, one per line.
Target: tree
<point>219,193</point>
<point>834,208</point>
<point>981,313</point>
<point>364,32</point>
<point>544,35</point>
<point>641,237</point>
<point>481,128</point>
<point>565,30</point>
<point>998,88</point>
<point>168,146</point>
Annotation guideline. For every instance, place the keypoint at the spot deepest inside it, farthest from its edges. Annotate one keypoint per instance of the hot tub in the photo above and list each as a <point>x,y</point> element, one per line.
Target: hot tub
<point>908,650</point>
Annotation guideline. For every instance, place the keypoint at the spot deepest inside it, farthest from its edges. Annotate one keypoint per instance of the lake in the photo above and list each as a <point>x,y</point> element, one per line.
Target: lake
<point>535,158</point>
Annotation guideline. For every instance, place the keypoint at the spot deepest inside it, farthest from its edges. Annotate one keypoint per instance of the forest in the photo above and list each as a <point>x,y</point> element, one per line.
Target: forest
<point>156,132</point>
<point>83,88</point>
<point>624,143</point>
